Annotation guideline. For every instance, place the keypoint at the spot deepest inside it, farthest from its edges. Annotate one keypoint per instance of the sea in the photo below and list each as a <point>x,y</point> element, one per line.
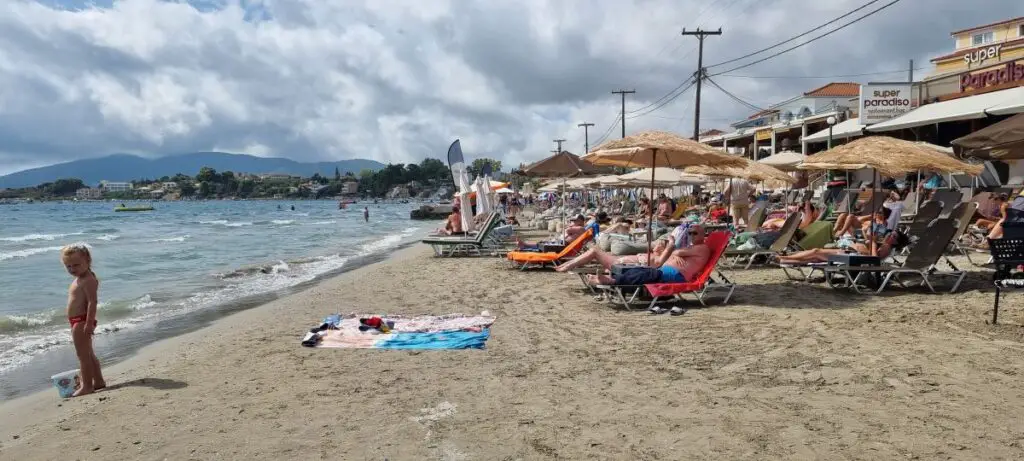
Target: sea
<point>170,271</point>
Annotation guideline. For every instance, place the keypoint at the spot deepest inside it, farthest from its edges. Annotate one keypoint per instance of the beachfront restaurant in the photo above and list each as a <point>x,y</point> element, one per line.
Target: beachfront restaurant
<point>782,126</point>
<point>979,83</point>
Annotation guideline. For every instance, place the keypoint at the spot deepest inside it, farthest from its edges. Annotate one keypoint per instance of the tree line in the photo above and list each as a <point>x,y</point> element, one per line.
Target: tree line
<point>209,183</point>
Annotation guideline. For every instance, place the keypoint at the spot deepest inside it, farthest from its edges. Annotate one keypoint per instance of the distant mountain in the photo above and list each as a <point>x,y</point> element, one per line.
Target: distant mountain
<point>124,167</point>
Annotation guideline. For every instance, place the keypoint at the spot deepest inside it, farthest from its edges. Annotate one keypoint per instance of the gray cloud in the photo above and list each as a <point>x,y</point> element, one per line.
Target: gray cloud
<point>397,80</point>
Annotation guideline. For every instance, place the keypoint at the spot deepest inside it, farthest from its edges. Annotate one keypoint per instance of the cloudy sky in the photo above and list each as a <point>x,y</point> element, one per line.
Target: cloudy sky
<point>397,81</point>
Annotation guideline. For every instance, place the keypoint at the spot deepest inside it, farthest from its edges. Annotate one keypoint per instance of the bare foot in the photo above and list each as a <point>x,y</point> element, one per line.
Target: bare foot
<point>83,391</point>
<point>560,269</point>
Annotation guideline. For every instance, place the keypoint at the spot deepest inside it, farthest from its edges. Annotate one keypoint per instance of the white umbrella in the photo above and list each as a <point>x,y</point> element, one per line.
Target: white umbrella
<point>661,175</point>
<point>504,190</point>
<point>482,204</point>
<point>465,213</point>
<point>785,161</point>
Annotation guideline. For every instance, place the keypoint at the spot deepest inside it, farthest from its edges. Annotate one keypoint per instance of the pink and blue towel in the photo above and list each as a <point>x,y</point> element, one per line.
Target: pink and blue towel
<point>453,331</point>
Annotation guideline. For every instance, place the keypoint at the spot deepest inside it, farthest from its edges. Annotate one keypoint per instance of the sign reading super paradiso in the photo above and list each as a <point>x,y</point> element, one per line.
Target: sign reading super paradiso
<point>882,101</point>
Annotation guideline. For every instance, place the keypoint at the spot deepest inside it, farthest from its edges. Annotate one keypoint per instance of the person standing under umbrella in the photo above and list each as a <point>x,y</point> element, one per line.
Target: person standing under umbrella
<point>738,192</point>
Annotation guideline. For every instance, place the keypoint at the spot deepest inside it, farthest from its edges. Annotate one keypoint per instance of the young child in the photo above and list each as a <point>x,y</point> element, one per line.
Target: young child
<point>82,302</point>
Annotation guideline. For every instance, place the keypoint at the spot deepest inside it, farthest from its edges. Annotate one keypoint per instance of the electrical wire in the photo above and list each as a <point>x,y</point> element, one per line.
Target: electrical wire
<point>690,83</point>
<point>607,132</point>
<point>816,38</point>
<point>733,96</point>
<point>819,76</point>
<point>822,26</point>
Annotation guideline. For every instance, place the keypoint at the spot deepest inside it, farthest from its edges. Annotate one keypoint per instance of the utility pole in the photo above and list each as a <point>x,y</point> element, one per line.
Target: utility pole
<point>700,34</point>
<point>910,72</point>
<point>559,149</point>
<point>586,136</point>
<point>623,117</point>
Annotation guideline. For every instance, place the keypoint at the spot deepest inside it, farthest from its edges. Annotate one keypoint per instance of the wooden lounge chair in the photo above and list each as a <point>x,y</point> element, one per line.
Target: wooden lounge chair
<point>780,246</point>
<point>921,262</point>
<point>529,260</point>
<point>703,286</point>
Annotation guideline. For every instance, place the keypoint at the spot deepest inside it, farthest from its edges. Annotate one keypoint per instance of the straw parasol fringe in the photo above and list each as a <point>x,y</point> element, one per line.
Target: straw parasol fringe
<point>889,157</point>
<point>650,149</point>
<point>751,171</point>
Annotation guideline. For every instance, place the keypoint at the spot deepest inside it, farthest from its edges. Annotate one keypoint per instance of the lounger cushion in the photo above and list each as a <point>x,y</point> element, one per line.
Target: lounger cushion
<point>625,248</point>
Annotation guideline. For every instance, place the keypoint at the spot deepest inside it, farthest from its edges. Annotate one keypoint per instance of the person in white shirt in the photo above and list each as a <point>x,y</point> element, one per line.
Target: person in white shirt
<point>738,191</point>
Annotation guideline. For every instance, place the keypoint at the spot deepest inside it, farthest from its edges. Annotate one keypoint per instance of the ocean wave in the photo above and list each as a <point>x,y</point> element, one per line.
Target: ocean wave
<point>238,224</point>
<point>181,238</point>
<point>31,237</point>
<point>283,222</point>
<point>324,223</point>
<point>108,237</point>
<point>216,221</point>
<point>16,323</point>
<point>26,253</point>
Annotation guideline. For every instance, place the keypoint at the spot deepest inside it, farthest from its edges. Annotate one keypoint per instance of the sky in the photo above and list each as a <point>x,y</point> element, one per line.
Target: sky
<point>397,81</point>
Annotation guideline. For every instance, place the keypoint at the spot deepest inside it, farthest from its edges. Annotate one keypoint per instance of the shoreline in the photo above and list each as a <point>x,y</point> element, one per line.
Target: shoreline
<point>31,402</point>
<point>181,325</point>
<point>785,371</point>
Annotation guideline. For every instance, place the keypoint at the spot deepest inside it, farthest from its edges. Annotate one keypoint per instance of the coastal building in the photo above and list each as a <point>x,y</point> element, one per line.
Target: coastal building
<point>783,125</point>
<point>350,187</point>
<point>979,82</point>
<point>113,186</point>
<point>277,177</point>
<point>89,193</point>
<point>170,185</point>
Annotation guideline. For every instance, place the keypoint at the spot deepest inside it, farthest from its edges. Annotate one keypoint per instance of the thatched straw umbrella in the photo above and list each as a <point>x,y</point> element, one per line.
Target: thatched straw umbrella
<point>751,171</point>
<point>887,156</point>
<point>651,149</point>
<point>562,165</point>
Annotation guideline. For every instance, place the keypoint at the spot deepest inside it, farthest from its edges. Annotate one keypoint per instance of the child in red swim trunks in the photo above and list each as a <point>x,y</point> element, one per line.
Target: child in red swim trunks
<point>82,304</point>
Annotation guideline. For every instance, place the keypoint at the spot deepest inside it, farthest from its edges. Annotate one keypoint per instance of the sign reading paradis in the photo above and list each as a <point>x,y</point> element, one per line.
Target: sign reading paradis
<point>1011,72</point>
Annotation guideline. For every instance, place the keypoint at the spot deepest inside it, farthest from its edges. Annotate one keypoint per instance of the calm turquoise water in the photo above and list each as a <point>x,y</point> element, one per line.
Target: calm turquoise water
<point>181,261</point>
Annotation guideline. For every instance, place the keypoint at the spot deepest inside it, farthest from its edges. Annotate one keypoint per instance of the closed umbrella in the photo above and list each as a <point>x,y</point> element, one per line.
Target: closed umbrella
<point>1001,141</point>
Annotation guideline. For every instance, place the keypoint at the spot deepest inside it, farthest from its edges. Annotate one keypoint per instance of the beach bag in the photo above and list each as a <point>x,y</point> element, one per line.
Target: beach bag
<point>635,275</point>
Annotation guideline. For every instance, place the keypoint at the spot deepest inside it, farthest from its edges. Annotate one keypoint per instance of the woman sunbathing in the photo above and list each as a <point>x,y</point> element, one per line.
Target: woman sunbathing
<point>895,240</point>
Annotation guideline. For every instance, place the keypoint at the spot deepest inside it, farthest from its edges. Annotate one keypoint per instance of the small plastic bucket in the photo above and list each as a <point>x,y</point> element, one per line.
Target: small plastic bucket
<point>66,382</point>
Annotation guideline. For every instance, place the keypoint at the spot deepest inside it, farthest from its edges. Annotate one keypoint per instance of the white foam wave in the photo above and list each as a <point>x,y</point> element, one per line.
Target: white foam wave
<point>31,237</point>
<point>283,222</point>
<point>238,224</point>
<point>26,253</point>
<point>216,221</point>
<point>181,238</point>
<point>324,223</point>
<point>108,237</point>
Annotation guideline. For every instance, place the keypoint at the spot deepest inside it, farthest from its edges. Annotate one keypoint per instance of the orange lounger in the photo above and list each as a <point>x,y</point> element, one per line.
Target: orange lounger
<point>527,259</point>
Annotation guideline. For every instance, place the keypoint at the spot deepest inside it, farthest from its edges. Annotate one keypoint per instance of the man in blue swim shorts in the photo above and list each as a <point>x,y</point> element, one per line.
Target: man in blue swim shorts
<point>672,265</point>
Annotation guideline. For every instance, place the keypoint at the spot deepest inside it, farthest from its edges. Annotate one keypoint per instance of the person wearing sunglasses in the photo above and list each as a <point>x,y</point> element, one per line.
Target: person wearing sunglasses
<point>671,265</point>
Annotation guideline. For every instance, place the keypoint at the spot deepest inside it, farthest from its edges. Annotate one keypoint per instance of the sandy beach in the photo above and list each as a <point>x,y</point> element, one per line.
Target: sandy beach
<point>785,371</point>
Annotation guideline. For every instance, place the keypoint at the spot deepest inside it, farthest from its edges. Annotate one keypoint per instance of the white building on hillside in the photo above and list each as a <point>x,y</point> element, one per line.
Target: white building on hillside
<point>110,186</point>
<point>89,193</point>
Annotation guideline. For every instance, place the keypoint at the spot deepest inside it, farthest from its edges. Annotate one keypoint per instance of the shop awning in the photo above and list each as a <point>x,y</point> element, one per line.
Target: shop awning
<point>1013,104</point>
<point>846,129</point>
<point>967,108</point>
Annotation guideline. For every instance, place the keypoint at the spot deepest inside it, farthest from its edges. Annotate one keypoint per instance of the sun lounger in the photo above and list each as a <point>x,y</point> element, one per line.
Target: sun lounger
<point>963,213</point>
<point>449,246</point>
<point>703,286</point>
<point>949,200</point>
<point>921,262</point>
<point>778,247</point>
<point>528,259</point>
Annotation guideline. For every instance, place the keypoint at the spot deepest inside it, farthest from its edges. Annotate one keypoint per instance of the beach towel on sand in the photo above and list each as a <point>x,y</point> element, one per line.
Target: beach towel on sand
<point>452,331</point>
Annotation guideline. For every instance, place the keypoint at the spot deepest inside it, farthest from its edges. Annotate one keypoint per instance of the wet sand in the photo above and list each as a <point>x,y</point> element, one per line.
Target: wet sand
<point>785,371</point>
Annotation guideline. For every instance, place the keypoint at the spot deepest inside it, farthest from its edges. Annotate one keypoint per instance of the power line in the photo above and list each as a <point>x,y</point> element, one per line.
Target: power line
<point>691,82</point>
<point>818,76</point>
<point>762,50</point>
<point>816,38</point>
<point>607,132</point>
<point>734,97</point>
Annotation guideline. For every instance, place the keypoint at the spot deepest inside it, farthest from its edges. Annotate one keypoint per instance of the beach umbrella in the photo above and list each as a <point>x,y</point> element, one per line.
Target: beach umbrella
<point>751,171</point>
<point>887,156</point>
<point>652,149</point>
<point>1001,141</point>
<point>457,165</point>
<point>562,165</point>
<point>784,161</point>
<point>483,204</point>
<point>504,190</point>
